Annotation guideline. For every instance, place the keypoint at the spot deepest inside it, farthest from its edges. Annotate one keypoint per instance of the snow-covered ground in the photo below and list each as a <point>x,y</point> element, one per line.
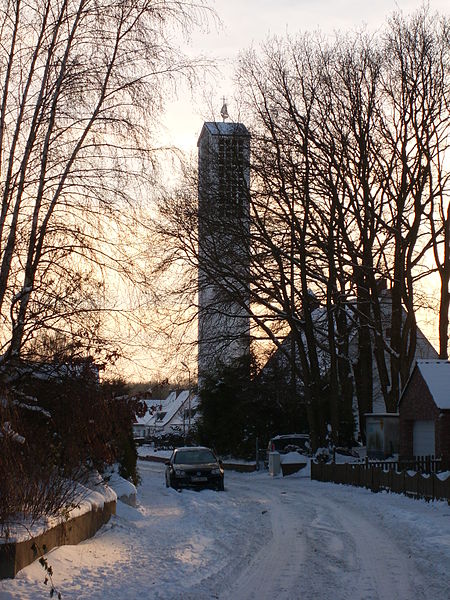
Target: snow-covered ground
<point>263,538</point>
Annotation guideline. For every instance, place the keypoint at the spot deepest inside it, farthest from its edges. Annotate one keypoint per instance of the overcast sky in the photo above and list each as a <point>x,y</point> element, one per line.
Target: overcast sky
<point>248,22</point>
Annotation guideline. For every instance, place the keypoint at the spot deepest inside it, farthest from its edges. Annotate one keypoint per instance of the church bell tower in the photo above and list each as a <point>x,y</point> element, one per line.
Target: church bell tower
<point>223,238</point>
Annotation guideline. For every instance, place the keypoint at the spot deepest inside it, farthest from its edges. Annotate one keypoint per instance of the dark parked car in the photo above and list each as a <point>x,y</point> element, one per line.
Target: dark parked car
<point>196,467</point>
<point>293,442</point>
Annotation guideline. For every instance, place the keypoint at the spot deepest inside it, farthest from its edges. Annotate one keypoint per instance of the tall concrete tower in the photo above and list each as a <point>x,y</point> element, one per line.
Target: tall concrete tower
<point>223,235</point>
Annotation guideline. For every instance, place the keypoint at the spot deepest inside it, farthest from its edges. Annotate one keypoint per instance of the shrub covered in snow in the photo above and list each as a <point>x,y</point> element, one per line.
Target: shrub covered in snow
<point>322,455</point>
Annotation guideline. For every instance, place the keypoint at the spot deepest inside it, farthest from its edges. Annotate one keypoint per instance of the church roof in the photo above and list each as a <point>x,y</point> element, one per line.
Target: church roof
<point>224,128</point>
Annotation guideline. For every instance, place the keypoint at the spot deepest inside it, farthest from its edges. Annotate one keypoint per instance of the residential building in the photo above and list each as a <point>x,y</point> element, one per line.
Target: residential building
<point>424,411</point>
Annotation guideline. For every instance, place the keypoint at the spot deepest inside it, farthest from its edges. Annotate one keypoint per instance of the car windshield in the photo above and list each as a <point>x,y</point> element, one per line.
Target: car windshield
<point>194,457</point>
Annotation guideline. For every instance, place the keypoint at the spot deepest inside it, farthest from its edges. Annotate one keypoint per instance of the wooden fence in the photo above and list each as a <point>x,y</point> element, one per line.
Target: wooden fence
<point>376,478</point>
<point>419,464</point>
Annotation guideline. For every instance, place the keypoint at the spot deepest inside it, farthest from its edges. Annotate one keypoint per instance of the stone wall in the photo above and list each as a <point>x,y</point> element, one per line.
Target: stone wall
<point>17,555</point>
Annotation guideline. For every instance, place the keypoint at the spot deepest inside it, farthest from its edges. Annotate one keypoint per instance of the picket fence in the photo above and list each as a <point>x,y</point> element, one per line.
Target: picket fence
<point>378,477</point>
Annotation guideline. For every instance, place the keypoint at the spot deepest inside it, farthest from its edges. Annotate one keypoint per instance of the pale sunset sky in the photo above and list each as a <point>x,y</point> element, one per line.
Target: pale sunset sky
<point>248,23</point>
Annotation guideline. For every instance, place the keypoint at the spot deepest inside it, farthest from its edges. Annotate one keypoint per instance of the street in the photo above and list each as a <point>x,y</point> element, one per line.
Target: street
<point>263,538</point>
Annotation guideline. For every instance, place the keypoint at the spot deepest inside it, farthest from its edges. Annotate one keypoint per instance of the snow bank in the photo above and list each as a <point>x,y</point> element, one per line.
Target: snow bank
<point>292,458</point>
<point>124,489</point>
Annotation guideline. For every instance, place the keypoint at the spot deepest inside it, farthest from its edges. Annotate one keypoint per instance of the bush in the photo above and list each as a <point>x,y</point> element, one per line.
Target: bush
<point>55,438</point>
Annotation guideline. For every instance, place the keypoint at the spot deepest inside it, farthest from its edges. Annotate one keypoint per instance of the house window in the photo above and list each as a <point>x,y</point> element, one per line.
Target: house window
<point>160,416</point>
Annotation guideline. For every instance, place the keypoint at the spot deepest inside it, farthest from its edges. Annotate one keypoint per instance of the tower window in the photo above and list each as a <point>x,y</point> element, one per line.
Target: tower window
<point>231,171</point>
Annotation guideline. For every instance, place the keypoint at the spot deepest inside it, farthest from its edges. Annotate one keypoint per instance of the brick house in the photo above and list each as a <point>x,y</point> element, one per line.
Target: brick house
<point>424,410</point>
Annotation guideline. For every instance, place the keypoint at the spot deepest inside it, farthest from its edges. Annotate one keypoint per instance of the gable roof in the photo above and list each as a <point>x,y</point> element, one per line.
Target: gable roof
<point>436,374</point>
<point>425,351</point>
<point>152,405</point>
<point>168,409</point>
<point>178,416</point>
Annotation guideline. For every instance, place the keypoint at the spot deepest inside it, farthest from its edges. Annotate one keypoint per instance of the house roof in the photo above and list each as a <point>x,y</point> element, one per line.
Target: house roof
<point>280,358</point>
<point>436,374</point>
<point>152,405</point>
<point>178,417</point>
<point>424,349</point>
<point>168,409</point>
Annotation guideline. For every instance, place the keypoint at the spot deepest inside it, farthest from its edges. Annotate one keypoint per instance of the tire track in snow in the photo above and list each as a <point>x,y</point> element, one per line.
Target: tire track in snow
<point>356,557</point>
<point>327,548</point>
<point>274,570</point>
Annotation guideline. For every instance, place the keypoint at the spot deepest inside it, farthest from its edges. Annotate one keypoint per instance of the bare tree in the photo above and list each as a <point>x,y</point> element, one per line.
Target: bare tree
<point>346,138</point>
<point>82,83</point>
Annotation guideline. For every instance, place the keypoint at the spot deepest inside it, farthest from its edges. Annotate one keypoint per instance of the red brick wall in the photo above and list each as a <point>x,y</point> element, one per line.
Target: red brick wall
<point>417,404</point>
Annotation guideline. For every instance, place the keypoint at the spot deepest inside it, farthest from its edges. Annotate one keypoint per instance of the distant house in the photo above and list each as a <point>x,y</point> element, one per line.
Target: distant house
<point>173,415</point>
<point>424,349</point>
<point>142,425</point>
<point>163,414</point>
<point>186,416</point>
<point>424,411</point>
<point>279,362</point>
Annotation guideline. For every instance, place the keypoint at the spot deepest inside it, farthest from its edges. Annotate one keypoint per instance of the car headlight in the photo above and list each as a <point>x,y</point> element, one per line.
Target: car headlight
<point>215,471</point>
<point>180,472</point>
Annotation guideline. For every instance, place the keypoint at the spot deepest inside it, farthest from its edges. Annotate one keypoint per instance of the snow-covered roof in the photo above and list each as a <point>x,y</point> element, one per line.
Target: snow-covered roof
<point>169,407</point>
<point>152,405</point>
<point>178,419</point>
<point>436,374</point>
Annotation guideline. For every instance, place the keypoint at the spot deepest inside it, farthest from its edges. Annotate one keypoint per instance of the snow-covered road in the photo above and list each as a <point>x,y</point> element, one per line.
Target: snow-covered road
<point>264,538</point>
